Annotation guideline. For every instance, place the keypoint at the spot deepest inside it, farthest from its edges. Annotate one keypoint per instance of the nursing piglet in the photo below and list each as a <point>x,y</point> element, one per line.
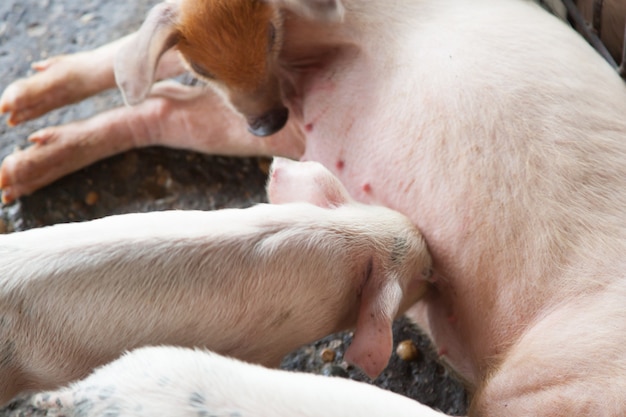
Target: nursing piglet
<point>249,283</point>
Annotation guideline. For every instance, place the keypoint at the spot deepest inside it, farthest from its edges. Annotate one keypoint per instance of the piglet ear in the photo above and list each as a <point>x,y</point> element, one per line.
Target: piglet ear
<point>324,10</point>
<point>136,62</point>
<point>372,343</point>
<point>309,182</point>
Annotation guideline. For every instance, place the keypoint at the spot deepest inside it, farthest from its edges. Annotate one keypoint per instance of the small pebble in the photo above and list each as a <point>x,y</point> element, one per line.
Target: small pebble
<point>36,30</point>
<point>407,351</point>
<point>164,179</point>
<point>334,370</point>
<point>87,17</point>
<point>264,165</point>
<point>328,355</point>
<point>92,198</point>
<point>335,344</point>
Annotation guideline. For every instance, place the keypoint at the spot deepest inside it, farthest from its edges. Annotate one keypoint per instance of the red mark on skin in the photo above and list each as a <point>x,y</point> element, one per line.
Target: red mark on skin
<point>308,127</point>
<point>367,187</point>
<point>442,352</point>
<point>340,165</point>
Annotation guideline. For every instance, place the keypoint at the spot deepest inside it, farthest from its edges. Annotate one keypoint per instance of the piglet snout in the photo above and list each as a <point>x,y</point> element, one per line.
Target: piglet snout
<point>268,123</point>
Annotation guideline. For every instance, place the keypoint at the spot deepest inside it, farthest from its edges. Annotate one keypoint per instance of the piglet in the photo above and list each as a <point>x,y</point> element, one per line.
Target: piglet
<point>250,283</point>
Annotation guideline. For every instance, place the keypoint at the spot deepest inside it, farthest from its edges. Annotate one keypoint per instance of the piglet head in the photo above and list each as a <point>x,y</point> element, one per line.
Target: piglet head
<point>398,274</point>
<point>231,44</point>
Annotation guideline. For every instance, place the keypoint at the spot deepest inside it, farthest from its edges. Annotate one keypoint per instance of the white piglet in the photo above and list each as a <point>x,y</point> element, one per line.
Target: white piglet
<point>250,283</point>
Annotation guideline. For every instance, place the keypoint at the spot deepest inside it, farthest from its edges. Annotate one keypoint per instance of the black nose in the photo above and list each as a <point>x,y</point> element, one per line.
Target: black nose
<point>268,123</point>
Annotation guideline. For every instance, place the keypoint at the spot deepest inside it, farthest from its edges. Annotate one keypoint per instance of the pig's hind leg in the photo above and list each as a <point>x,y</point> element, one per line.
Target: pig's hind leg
<point>60,81</point>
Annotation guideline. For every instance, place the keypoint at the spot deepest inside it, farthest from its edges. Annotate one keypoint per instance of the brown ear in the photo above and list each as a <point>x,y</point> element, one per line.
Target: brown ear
<point>136,62</point>
<point>372,344</point>
<point>310,182</point>
<point>324,10</point>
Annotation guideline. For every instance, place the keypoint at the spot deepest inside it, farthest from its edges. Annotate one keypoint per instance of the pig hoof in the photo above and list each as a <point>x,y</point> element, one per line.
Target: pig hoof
<point>45,64</point>
<point>41,137</point>
<point>8,196</point>
<point>52,86</point>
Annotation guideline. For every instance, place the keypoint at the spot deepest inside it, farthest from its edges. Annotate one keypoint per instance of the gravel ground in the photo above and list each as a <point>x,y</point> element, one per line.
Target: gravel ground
<point>159,179</point>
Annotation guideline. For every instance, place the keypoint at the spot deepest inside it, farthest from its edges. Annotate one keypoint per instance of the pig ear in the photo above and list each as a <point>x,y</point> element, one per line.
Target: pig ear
<point>325,10</point>
<point>309,182</point>
<point>136,62</point>
<point>372,344</point>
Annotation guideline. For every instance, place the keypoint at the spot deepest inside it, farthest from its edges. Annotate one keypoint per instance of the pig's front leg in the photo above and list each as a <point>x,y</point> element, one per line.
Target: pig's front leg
<point>202,123</point>
<point>180,382</point>
<point>67,79</point>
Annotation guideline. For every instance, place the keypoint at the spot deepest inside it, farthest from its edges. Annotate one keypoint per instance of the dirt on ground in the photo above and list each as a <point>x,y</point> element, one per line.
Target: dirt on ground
<point>161,179</point>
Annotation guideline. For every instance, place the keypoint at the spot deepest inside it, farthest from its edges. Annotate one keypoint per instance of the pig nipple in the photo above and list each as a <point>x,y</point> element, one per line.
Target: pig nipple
<point>340,165</point>
<point>367,188</point>
<point>428,274</point>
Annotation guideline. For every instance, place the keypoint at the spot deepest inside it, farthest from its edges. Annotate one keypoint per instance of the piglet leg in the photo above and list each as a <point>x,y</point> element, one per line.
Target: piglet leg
<point>67,79</point>
<point>174,116</point>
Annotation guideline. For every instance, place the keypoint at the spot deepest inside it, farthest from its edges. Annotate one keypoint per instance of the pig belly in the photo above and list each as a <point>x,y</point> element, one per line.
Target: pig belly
<point>376,174</point>
<point>490,167</point>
